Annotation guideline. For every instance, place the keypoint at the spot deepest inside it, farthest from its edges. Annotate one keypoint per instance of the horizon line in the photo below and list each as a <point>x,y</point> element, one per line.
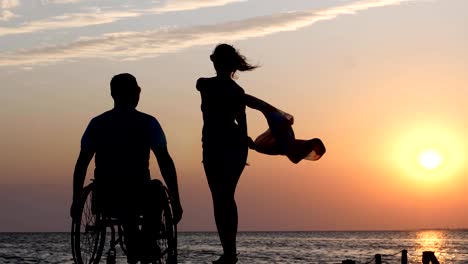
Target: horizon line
<point>277,231</point>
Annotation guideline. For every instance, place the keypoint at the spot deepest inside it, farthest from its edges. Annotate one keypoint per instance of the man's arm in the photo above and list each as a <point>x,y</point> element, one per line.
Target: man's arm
<point>79,176</point>
<point>168,172</point>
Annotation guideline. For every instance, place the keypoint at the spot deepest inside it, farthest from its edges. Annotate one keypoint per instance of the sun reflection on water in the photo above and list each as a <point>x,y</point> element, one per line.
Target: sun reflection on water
<point>430,240</point>
<point>436,241</point>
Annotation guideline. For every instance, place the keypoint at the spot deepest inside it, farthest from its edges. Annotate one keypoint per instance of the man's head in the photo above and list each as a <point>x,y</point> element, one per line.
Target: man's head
<point>125,90</point>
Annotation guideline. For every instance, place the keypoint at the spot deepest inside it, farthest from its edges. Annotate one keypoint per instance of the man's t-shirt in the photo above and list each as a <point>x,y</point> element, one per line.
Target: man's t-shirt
<point>121,140</point>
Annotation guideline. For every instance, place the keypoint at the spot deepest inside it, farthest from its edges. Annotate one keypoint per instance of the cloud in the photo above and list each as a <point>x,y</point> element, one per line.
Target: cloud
<point>5,13</point>
<point>185,5</point>
<point>76,20</point>
<point>59,2</point>
<point>68,21</point>
<point>139,45</point>
<point>8,4</point>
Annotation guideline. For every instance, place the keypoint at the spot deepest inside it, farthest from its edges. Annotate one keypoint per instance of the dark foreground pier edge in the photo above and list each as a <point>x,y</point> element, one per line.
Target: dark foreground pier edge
<point>428,257</point>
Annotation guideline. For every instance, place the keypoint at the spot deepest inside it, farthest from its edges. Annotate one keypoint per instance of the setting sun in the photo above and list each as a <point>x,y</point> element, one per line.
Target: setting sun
<point>429,153</point>
<point>430,159</point>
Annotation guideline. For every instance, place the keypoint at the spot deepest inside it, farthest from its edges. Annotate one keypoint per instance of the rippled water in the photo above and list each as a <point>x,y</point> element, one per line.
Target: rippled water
<point>450,246</point>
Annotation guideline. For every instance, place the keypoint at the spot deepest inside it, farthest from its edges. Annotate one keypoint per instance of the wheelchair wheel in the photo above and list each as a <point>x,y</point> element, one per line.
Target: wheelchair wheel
<point>88,232</point>
<point>167,237</point>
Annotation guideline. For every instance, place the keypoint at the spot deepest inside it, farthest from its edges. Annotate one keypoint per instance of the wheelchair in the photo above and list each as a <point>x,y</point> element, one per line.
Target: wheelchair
<point>89,232</point>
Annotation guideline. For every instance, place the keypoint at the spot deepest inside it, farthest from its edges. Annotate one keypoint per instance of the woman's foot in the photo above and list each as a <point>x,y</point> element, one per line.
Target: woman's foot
<point>224,259</point>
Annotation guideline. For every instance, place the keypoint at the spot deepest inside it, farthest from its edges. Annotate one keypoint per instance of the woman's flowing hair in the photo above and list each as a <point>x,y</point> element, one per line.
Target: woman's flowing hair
<point>230,58</point>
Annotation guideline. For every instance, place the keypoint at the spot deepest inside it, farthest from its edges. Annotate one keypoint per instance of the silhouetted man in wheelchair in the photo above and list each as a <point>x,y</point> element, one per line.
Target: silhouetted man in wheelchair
<point>121,140</point>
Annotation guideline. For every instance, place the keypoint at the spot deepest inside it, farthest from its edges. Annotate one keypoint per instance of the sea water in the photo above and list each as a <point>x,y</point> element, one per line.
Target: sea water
<point>450,246</point>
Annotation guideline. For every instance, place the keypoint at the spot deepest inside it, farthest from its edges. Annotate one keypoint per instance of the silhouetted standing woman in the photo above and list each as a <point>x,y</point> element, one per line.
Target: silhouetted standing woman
<point>225,141</point>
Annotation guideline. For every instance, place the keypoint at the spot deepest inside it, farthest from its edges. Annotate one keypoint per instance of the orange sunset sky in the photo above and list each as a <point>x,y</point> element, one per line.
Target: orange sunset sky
<point>384,84</point>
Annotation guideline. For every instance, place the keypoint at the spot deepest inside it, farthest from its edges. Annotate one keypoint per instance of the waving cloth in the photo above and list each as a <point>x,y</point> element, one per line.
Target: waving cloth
<point>279,138</point>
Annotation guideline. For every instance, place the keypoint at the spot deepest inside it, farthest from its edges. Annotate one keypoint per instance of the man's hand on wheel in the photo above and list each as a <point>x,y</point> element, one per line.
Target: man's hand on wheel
<point>177,211</point>
<point>74,210</point>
